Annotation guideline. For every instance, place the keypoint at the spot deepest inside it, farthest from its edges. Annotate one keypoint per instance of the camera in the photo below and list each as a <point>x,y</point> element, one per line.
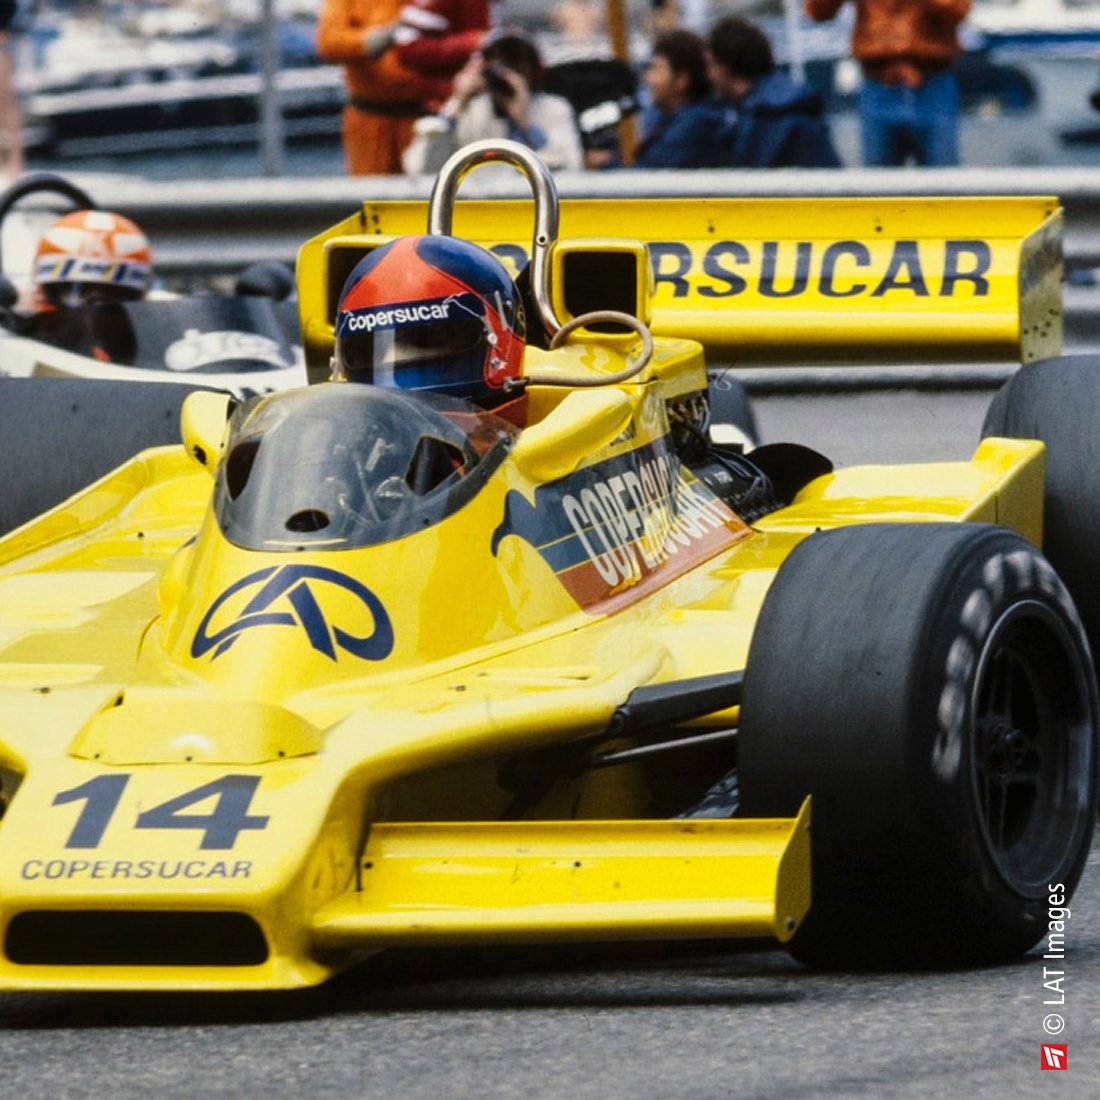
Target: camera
<point>496,81</point>
<point>603,115</point>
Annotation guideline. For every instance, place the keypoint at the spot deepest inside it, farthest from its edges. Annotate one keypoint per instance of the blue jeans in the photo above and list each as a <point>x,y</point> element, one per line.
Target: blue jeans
<point>897,122</point>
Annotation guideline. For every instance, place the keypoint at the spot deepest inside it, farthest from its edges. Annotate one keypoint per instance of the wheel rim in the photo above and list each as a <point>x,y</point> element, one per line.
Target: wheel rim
<point>1031,751</point>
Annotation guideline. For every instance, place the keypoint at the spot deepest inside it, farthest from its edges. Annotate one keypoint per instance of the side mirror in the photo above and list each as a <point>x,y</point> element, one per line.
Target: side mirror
<point>585,421</point>
<point>203,421</point>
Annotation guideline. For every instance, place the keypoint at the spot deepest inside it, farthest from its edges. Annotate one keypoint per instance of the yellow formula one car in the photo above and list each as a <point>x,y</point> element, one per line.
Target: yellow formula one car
<point>374,665</point>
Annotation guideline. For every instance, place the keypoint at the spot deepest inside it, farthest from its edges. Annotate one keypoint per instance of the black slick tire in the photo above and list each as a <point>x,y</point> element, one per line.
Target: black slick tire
<point>930,686</point>
<point>1058,401</point>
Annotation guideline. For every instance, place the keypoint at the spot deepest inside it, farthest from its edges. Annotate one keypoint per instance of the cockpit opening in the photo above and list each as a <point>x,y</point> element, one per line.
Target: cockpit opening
<point>345,466</point>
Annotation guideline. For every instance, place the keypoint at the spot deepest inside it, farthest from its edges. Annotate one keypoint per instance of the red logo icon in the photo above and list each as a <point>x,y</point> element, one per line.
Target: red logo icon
<point>1055,1056</point>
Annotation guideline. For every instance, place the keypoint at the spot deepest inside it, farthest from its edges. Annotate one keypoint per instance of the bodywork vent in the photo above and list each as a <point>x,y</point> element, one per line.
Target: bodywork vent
<point>90,937</point>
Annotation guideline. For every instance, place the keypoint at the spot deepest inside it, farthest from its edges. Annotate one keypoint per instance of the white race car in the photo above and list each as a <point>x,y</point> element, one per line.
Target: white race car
<point>246,342</point>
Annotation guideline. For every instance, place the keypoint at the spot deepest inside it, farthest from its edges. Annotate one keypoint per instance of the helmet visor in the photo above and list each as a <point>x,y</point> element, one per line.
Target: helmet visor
<point>437,345</point>
<point>74,295</point>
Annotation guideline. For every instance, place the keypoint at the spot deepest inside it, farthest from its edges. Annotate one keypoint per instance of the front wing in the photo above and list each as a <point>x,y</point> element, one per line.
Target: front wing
<point>82,918</point>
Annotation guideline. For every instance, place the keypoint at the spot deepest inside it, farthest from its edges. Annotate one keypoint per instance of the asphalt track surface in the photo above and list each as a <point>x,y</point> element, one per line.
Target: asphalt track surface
<point>646,1022</point>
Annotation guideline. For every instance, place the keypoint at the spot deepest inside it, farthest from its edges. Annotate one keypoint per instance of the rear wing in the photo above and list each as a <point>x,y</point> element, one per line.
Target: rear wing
<point>769,281</point>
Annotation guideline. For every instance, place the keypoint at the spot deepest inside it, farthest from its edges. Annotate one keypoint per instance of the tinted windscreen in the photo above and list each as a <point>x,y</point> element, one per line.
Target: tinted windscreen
<point>344,465</point>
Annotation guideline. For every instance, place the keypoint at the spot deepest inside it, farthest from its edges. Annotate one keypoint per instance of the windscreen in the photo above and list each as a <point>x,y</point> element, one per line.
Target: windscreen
<point>341,466</point>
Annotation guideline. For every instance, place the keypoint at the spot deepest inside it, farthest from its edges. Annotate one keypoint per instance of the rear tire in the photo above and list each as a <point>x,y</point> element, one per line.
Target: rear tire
<point>1058,402</point>
<point>930,686</point>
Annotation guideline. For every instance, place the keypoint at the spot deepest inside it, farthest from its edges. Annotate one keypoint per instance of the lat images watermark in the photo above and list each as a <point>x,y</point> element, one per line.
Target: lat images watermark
<point>1055,1055</point>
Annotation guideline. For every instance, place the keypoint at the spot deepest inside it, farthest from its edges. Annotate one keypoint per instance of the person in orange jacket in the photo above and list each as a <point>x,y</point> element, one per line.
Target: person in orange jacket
<point>909,101</point>
<point>383,95</point>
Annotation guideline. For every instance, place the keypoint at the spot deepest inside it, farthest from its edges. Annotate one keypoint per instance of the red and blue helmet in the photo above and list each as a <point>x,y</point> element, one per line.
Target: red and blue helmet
<point>431,313</point>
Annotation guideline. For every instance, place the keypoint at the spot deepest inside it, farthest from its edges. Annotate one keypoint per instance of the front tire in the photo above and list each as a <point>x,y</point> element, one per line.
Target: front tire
<point>930,686</point>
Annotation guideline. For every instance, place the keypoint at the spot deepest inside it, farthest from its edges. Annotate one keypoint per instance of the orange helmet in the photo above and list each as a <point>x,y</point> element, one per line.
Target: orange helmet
<point>91,255</point>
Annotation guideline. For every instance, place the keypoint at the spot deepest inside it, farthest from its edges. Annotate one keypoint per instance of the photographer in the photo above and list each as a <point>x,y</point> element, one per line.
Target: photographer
<point>497,95</point>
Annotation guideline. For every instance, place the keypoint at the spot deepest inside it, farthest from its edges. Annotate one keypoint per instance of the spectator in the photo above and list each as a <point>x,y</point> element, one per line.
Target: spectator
<point>11,119</point>
<point>667,15</point>
<point>581,30</point>
<point>909,101</point>
<point>581,67</point>
<point>684,122</point>
<point>663,17</point>
<point>436,38</point>
<point>497,95</point>
<point>770,120</point>
<point>383,96</point>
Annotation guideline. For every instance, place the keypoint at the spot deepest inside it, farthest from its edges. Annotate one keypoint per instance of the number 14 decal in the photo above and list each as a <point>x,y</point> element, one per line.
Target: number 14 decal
<point>220,827</point>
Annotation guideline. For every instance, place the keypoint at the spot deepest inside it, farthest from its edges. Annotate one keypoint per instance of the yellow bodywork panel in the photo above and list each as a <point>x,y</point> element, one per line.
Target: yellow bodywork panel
<point>488,882</point>
<point>274,813</point>
<point>1002,484</point>
<point>779,280</point>
<point>242,745</point>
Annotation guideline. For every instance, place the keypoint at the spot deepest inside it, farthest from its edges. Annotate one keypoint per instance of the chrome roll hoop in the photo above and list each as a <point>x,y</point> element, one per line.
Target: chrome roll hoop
<point>460,164</point>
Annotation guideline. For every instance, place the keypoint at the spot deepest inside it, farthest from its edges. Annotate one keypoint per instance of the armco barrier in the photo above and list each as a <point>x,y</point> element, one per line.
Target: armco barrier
<point>203,229</point>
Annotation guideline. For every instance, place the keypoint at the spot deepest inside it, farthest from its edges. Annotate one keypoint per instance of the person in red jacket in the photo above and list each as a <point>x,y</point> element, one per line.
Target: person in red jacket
<point>383,96</point>
<point>909,101</point>
<point>435,38</point>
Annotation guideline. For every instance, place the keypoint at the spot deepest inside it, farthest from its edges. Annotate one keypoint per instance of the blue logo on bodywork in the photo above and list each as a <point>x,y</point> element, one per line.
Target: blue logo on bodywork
<point>293,587</point>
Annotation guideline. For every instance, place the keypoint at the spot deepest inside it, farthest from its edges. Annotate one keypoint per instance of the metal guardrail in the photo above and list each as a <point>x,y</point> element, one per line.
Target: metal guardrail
<point>268,217</point>
<point>206,229</point>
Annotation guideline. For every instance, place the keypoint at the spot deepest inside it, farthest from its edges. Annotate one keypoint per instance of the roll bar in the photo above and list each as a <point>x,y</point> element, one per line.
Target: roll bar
<point>462,163</point>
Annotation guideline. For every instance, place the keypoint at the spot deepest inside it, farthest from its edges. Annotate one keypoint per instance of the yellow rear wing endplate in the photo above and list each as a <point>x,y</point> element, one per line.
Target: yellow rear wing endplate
<point>784,280</point>
<point>452,883</point>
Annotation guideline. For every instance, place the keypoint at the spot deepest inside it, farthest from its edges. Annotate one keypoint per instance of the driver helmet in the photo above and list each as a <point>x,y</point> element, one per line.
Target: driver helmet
<point>92,256</point>
<point>431,313</point>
